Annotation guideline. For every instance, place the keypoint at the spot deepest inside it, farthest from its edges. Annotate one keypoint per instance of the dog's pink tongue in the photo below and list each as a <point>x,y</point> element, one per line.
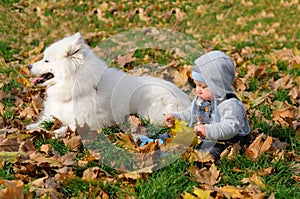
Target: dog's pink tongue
<point>35,80</point>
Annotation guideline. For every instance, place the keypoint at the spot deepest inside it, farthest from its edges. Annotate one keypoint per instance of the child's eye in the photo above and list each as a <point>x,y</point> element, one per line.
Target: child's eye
<point>46,61</point>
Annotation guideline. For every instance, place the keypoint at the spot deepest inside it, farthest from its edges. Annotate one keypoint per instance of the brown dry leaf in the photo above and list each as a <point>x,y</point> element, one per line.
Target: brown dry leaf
<point>253,149</point>
<point>255,179</point>
<point>266,145</point>
<point>148,148</point>
<point>295,94</point>
<point>125,140</point>
<point>230,151</point>
<point>279,115</point>
<point>286,82</point>
<point>27,113</point>
<point>37,158</point>
<point>180,77</point>
<point>46,148</point>
<point>209,177</point>
<point>1,108</point>
<point>198,156</point>
<point>40,182</point>
<point>125,59</point>
<point>27,145</point>
<point>68,159</point>
<point>12,188</point>
<point>93,173</point>
<point>240,84</point>
<point>266,172</point>
<point>73,143</point>
<point>37,103</point>
<point>57,124</point>
<point>134,122</point>
<point>258,146</point>
<point>9,144</point>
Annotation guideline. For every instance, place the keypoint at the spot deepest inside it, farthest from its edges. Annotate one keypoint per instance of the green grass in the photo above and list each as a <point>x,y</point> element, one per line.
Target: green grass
<point>47,124</point>
<point>57,145</point>
<point>166,183</point>
<point>6,172</point>
<point>280,181</point>
<point>22,29</point>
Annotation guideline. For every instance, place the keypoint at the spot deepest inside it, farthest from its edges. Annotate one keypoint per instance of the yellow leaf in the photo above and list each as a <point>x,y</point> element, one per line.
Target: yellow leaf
<point>182,134</point>
<point>188,196</point>
<point>231,192</point>
<point>202,194</point>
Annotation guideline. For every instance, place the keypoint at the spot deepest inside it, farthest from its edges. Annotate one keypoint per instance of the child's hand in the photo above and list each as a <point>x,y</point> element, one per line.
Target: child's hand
<point>169,120</point>
<point>200,130</point>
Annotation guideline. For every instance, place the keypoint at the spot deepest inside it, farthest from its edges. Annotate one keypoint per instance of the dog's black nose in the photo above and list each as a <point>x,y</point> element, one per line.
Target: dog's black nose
<point>29,67</point>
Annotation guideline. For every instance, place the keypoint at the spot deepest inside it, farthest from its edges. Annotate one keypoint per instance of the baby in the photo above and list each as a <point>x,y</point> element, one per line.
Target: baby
<point>218,117</point>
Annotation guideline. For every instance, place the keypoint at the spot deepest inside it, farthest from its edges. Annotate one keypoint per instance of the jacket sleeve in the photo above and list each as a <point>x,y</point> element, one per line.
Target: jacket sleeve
<point>186,114</point>
<point>232,121</point>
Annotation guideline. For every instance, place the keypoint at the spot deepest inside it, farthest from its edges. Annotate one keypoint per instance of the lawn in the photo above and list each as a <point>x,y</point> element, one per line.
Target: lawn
<point>263,39</point>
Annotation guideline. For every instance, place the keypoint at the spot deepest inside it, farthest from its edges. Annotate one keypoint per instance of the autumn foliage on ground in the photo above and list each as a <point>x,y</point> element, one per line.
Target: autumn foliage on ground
<point>263,40</point>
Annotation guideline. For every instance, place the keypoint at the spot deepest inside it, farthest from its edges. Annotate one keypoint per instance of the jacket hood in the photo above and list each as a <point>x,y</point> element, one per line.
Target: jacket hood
<point>218,72</point>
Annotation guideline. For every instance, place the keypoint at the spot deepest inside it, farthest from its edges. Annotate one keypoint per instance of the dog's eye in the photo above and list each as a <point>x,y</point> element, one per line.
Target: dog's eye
<point>46,61</point>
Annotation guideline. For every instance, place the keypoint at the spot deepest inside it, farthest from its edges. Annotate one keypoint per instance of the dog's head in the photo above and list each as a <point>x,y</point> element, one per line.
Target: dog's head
<point>61,60</point>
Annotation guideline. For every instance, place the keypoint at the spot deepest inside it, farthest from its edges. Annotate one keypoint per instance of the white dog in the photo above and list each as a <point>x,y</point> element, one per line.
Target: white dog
<point>81,89</point>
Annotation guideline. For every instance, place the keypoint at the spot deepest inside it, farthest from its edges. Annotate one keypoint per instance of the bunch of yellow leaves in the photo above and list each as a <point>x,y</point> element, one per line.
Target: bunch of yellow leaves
<point>182,135</point>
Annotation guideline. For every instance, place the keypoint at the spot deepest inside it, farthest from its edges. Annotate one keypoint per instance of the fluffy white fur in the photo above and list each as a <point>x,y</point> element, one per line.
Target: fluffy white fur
<point>85,91</point>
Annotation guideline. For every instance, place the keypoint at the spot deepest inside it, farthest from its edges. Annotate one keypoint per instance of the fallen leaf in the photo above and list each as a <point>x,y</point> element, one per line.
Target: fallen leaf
<point>93,173</point>
<point>255,179</point>
<point>12,157</point>
<point>125,140</point>
<point>265,172</point>
<point>28,112</point>
<point>230,192</point>
<point>46,148</point>
<point>199,156</point>
<point>13,188</point>
<point>27,145</point>
<point>68,159</point>
<point>57,124</point>
<point>182,134</point>
<point>73,143</point>
<point>9,144</point>
<point>125,59</point>
<point>209,177</point>
<point>258,147</point>
<point>202,194</point>
<point>295,94</point>
<point>188,195</point>
<point>38,159</point>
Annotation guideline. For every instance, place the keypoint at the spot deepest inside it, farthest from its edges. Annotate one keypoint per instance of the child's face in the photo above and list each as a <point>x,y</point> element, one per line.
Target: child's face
<point>203,91</point>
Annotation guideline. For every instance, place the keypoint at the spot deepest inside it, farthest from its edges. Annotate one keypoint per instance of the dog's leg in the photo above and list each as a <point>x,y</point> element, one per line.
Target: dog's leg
<point>61,132</point>
<point>33,126</point>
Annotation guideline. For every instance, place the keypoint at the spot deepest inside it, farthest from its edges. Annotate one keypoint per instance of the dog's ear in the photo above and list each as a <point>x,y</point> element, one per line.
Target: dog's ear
<point>75,49</point>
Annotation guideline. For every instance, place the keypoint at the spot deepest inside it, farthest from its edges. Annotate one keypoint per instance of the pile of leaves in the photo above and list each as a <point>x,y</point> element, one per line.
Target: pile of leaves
<point>39,166</point>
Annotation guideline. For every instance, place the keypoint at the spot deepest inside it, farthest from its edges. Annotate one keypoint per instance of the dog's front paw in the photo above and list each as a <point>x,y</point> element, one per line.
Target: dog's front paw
<point>61,132</point>
<point>33,126</point>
